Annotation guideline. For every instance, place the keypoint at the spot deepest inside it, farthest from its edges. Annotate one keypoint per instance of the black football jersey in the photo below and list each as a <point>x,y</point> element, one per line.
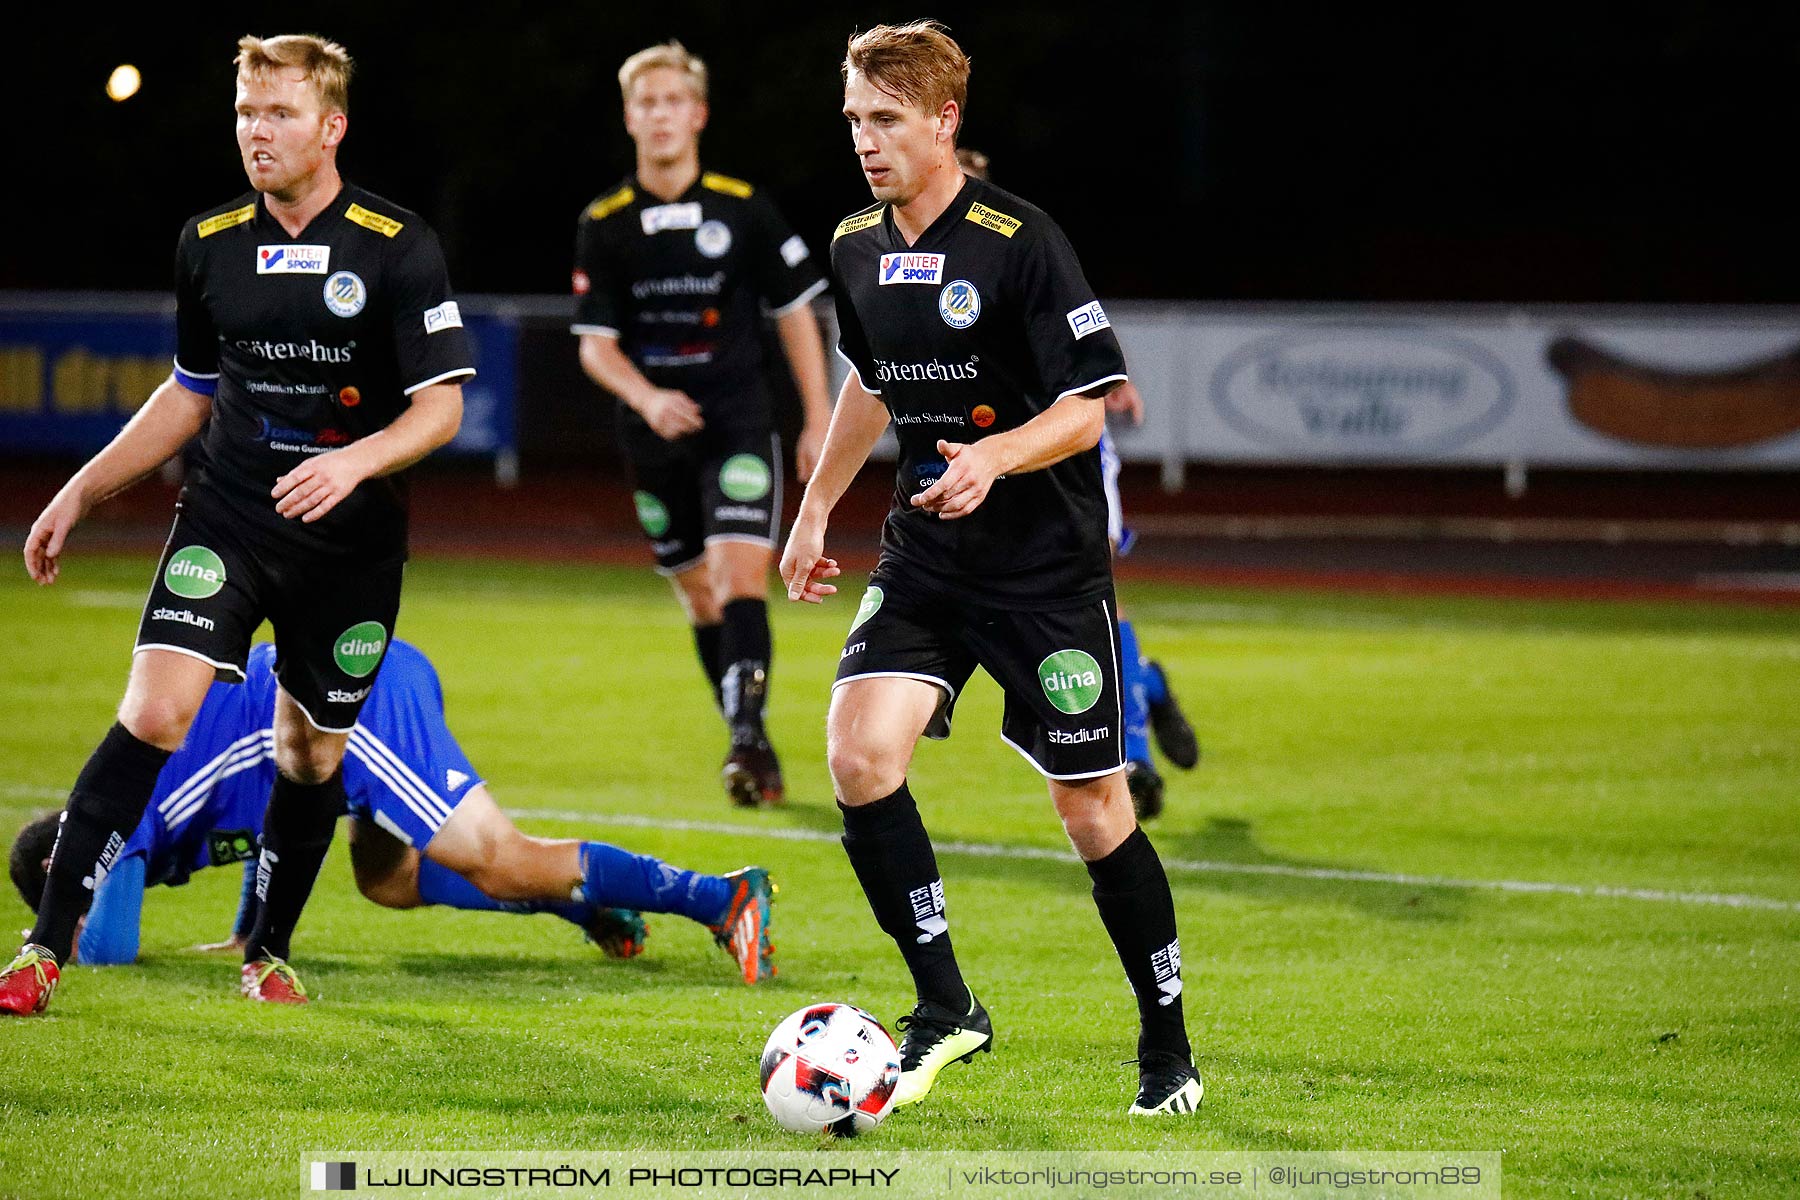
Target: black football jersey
<point>683,285</point>
<point>307,343</point>
<point>979,326</point>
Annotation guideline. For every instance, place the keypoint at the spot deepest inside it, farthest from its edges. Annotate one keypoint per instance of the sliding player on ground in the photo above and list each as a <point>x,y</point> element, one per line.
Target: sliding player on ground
<point>1150,704</point>
<point>675,269</point>
<point>318,347</point>
<point>966,319</point>
<point>424,830</point>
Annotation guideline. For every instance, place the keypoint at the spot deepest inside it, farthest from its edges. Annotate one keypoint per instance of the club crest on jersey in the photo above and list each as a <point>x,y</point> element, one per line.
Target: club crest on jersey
<point>912,268</point>
<point>959,304</point>
<point>345,294</point>
<point>292,260</point>
<point>713,239</point>
<point>671,216</point>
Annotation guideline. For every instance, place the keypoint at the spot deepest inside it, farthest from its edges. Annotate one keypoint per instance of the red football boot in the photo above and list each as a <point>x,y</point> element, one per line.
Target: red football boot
<point>28,982</point>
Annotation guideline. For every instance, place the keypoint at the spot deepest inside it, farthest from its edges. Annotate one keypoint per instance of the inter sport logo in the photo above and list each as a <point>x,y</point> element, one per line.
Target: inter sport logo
<point>292,260</point>
<point>651,514</point>
<point>959,304</point>
<point>911,267</point>
<point>744,477</point>
<point>194,573</point>
<point>1072,680</point>
<point>358,649</point>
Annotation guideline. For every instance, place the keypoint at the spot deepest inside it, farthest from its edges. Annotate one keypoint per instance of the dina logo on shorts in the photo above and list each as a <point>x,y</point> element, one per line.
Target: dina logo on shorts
<point>358,649</point>
<point>744,477</point>
<point>1072,680</point>
<point>194,573</point>
<point>871,602</point>
<point>651,513</point>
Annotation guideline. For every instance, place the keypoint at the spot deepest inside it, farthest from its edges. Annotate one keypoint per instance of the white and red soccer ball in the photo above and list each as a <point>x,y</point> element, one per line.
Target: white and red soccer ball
<point>830,1067</point>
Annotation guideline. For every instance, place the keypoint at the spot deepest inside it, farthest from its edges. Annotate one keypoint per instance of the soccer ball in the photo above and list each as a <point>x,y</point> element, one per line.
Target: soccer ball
<point>830,1066</point>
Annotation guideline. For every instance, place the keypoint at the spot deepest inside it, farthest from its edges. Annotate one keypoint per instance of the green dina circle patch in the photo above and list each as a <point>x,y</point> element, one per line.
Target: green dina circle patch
<point>744,477</point>
<point>1072,680</point>
<point>358,649</point>
<point>653,515</point>
<point>194,573</point>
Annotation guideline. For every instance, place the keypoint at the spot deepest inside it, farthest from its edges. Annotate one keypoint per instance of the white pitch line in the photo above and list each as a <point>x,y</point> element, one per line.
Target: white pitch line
<point>1599,891</point>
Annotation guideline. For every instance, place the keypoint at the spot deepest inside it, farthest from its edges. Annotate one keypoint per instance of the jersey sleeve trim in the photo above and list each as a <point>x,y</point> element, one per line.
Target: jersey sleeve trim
<point>859,379</point>
<point>600,330</point>
<point>460,371</point>
<point>198,382</point>
<point>801,300</point>
<point>1088,387</point>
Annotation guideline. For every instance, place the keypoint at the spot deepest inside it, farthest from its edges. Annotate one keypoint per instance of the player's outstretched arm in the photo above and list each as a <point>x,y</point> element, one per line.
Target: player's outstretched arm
<point>670,412</point>
<point>805,349</point>
<point>109,933</point>
<point>1070,426</point>
<point>316,486</point>
<point>171,416</point>
<point>856,425</point>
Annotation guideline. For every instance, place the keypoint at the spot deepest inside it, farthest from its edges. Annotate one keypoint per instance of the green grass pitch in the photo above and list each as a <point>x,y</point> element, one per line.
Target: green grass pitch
<point>1609,1045</point>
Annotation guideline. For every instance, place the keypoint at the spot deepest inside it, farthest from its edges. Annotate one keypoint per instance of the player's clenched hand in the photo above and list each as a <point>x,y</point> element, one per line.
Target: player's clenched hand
<point>315,487</point>
<point>804,567</point>
<point>44,544</point>
<point>964,484</point>
<point>671,413</point>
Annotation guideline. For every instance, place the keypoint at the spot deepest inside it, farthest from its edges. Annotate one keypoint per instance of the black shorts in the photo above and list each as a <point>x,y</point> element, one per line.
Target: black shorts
<point>1059,670</point>
<point>333,617</point>
<point>715,485</point>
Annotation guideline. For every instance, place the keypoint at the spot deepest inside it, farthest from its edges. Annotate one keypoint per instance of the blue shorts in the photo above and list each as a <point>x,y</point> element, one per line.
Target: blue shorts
<point>403,769</point>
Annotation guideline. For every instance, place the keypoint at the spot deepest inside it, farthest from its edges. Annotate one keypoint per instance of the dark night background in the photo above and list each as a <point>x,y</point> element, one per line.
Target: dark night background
<point>1211,151</point>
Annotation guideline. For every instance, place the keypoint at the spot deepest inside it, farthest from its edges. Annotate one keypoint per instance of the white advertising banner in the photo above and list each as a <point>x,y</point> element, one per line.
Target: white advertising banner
<point>1464,386</point>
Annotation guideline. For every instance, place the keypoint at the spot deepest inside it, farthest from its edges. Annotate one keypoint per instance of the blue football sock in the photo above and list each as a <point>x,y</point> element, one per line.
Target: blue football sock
<point>615,878</point>
<point>438,884</point>
<point>1137,705</point>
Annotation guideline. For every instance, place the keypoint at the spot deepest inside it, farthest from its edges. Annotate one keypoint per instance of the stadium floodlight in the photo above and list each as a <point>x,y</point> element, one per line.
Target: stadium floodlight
<point>124,82</point>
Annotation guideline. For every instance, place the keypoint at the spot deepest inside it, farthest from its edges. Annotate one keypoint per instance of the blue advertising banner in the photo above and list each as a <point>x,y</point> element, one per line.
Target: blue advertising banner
<point>73,370</point>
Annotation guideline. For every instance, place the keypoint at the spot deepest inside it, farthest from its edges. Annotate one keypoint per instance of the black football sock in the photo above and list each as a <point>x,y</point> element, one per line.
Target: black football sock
<point>296,834</point>
<point>707,639</point>
<point>891,854</point>
<point>105,806</point>
<point>1132,893</point>
<point>745,648</point>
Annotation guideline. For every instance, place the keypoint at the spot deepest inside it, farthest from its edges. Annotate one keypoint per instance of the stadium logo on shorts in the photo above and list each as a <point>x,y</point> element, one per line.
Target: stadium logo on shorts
<point>871,603</point>
<point>194,573</point>
<point>959,304</point>
<point>744,477</point>
<point>358,649</point>
<point>713,239</point>
<point>345,294</point>
<point>651,513</point>
<point>1072,680</point>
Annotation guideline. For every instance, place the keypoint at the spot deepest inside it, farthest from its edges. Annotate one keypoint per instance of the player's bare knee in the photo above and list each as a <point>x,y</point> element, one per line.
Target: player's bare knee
<point>1096,815</point>
<point>863,771</point>
<point>309,762</point>
<point>160,720</point>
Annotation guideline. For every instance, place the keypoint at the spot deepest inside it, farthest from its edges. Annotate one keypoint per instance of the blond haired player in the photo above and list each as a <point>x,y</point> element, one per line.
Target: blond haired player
<point>968,323</point>
<point>319,348</point>
<point>675,270</point>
